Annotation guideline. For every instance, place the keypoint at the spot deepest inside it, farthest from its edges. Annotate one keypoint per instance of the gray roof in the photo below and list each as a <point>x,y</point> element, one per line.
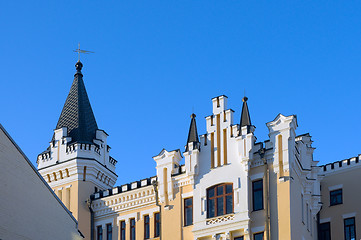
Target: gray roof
<point>193,134</point>
<point>77,114</point>
<point>245,117</point>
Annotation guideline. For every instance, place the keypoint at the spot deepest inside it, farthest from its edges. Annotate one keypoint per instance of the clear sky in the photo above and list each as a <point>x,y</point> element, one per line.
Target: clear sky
<point>155,61</point>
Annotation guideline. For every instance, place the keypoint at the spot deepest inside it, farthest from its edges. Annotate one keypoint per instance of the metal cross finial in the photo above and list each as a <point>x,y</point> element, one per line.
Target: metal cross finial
<point>81,51</point>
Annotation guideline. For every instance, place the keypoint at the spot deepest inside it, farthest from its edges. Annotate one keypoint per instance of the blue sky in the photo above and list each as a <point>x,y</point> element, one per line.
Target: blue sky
<point>155,61</point>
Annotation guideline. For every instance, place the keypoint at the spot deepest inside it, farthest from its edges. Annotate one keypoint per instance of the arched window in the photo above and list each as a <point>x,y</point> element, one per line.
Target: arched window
<point>220,200</point>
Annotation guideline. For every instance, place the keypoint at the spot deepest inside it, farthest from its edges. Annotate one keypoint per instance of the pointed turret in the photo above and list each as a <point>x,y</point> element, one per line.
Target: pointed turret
<point>245,118</point>
<point>77,114</point>
<point>193,134</point>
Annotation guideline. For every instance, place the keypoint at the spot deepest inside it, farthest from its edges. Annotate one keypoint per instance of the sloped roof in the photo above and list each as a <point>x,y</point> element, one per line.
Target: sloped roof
<point>245,117</point>
<point>192,134</point>
<point>77,114</point>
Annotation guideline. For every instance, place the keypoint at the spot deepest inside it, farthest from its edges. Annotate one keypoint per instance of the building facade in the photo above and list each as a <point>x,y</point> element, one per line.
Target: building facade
<point>29,209</point>
<point>224,185</point>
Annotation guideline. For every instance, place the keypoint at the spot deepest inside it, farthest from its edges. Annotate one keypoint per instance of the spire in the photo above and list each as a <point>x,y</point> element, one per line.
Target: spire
<point>77,114</point>
<point>245,118</point>
<point>193,134</point>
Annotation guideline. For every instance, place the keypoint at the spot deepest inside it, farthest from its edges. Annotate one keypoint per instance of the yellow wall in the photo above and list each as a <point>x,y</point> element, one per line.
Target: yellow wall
<point>351,201</point>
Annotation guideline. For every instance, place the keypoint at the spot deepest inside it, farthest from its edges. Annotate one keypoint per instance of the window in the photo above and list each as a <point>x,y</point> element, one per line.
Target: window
<point>238,238</point>
<point>257,195</point>
<point>146,227</point>
<point>325,231</point>
<point>132,229</point>
<point>188,211</point>
<point>350,229</point>
<point>99,233</point>
<point>219,200</point>
<point>258,236</point>
<point>336,197</point>
<point>156,225</point>
<point>122,230</point>
<point>109,231</point>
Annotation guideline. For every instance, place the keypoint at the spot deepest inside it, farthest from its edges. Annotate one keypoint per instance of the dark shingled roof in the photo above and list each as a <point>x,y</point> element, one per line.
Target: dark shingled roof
<point>77,114</point>
<point>193,134</point>
<point>245,118</point>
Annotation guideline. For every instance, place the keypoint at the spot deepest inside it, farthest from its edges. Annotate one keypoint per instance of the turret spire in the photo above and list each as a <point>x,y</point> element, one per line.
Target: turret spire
<point>245,117</point>
<point>193,134</point>
<point>77,114</point>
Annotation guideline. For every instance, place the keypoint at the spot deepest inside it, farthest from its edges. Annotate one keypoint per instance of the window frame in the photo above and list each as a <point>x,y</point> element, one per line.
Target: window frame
<point>335,196</point>
<point>111,231</point>
<point>346,226</point>
<point>258,234</point>
<point>131,227</point>
<point>157,223</point>
<point>215,197</point>
<point>123,230</point>
<point>100,233</point>
<point>146,227</point>
<point>239,238</point>
<point>254,193</point>
<point>322,231</point>
<point>186,207</point>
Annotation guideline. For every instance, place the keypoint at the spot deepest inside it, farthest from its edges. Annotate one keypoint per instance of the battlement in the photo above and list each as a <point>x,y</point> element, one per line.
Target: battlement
<point>133,185</point>
<point>44,156</point>
<point>83,147</point>
<point>112,161</point>
<point>123,188</point>
<point>339,165</point>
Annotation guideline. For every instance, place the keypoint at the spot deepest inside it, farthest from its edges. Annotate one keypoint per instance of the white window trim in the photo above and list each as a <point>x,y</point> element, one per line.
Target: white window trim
<point>335,187</point>
<point>257,229</point>
<point>256,176</point>
<point>349,215</point>
<point>325,220</point>
<point>187,195</point>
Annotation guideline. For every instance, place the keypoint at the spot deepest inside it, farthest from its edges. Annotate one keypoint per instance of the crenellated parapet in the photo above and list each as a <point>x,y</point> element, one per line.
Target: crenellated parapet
<point>342,165</point>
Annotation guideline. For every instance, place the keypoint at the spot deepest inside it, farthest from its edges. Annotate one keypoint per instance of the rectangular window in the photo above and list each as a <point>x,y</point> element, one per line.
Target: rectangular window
<point>258,236</point>
<point>109,231</point>
<point>350,229</point>
<point>122,230</point>
<point>325,231</point>
<point>146,227</point>
<point>257,195</point>
<point>132,229</point>
<point>188,211</point>
<point>238,238</point>
<point>336,197</point>
<point>99,233</point>
<point>156,225</point>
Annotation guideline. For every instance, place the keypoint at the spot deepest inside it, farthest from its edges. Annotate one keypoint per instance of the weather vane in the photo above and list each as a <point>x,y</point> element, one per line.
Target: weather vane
<point>81,51</point>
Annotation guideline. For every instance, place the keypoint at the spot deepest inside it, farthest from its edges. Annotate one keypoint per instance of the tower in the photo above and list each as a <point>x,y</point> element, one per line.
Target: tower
<point>77,162</point>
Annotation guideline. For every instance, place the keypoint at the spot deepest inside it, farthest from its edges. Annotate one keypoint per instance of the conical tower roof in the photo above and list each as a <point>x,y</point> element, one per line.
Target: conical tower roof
<point>245,117</point>
<point>193,134</point>
<point>77,114</point>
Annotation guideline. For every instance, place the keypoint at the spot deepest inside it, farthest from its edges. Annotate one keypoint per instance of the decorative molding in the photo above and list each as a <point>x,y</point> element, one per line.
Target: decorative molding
<point>220,219</point>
